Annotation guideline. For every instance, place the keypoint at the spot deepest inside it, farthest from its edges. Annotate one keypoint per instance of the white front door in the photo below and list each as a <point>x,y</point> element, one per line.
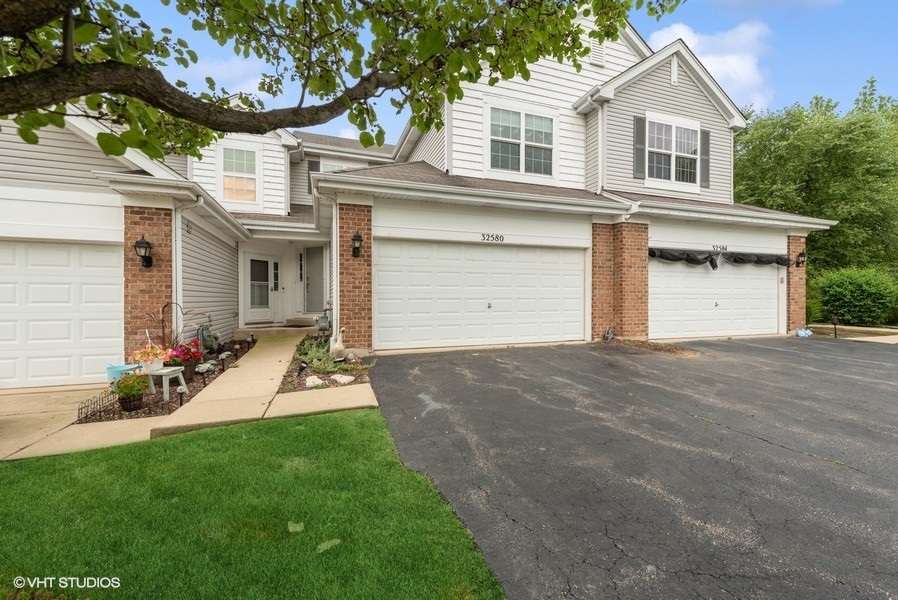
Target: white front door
<point>264,289</point>
<point>431,294</point>
<point>314,275</point>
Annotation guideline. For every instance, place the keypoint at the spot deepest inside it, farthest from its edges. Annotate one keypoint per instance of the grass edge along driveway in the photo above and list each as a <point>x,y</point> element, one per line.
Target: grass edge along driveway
<point>313,507</point>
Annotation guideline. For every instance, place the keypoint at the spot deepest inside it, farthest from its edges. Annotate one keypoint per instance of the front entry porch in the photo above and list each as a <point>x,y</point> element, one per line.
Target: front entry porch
<point>283,282</point>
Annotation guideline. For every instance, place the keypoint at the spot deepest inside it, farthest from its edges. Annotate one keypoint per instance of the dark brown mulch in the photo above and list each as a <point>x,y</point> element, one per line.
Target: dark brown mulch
<point>154,405</point>
<point>295,380</point>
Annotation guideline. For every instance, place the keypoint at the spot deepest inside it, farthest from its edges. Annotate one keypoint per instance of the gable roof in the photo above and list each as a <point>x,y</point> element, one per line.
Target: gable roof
<point>606,91</point>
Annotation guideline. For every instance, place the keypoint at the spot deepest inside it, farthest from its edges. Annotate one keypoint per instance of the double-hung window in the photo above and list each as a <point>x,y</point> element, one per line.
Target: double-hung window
<point>671,152</point>
<point>239,175</point>
<point>521,142</point>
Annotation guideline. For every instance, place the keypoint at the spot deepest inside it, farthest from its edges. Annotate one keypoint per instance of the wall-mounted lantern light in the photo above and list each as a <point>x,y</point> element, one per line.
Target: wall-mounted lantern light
<point>801,259</point>
<point>142,247</point>
<point>356,244</point>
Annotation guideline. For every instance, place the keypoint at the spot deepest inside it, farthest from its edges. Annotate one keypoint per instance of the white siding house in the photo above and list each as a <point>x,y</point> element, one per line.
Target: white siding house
<point>545,210</point>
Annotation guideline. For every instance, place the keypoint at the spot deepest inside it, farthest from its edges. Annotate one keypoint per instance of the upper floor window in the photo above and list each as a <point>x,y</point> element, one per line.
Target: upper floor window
<point>670,152</point>
<point>520,142</point>
<point>239,175</point>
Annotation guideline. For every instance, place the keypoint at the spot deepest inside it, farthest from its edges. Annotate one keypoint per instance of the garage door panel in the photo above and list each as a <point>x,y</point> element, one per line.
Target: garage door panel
<point>58,331</point>
<point>695,301</point>
<point>476,294</point>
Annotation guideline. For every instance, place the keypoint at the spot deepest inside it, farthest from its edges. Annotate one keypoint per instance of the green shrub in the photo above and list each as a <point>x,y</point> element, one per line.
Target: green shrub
<point>316,354</point>
<point>857,296</point>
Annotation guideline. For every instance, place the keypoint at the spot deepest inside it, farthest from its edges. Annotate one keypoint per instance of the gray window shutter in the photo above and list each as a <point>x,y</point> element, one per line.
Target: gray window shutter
<point>639,147</point>
<point>314,167</point>
<point>704,152</point>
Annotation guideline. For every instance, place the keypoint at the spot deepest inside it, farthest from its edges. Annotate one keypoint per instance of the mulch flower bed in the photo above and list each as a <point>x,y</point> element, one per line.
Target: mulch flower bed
<point>295,378</point>
<point>153,404</point>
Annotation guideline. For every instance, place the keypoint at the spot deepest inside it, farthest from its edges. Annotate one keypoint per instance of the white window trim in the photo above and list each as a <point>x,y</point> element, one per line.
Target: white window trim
<point>523,108</point>
<point>255,206</point>
<point>673,186</point>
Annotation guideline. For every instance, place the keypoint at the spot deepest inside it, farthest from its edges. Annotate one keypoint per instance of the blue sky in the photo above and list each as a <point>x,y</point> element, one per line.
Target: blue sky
<point>766,53</point>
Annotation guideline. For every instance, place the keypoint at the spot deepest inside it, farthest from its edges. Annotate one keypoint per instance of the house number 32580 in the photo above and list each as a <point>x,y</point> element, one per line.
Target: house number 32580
<point>492,237</point>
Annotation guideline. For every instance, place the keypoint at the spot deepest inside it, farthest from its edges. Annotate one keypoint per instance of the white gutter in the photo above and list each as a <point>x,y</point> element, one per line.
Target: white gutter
<point>785,220</point>
<point>177,317</point>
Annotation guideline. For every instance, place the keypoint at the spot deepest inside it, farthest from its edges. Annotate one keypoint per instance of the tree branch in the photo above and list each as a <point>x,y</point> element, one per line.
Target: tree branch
<point>64,83</point>
<point>18,18</point>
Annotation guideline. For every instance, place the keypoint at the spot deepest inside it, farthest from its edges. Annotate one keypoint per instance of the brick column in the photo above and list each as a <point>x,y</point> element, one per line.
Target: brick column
<point>355,275</point>
<point>796,285</point>
<point>146,289</point>
<point>630,243</point>
<point>602,279</point>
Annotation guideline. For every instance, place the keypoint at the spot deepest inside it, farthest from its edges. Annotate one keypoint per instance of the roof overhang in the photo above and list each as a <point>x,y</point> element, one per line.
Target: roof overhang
<point>178,190</point>
<point>334,183</point>
<point>727,213</point>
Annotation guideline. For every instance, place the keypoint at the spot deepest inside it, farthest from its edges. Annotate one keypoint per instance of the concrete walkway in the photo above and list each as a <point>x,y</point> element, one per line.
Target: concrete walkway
<point>245,392</point>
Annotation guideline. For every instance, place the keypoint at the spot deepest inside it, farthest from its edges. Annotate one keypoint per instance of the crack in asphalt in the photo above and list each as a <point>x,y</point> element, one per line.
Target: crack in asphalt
<point>787,448</point>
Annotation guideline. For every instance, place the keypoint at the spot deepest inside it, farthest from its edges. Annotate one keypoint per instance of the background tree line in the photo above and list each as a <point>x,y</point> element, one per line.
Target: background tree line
<point>814,161</point>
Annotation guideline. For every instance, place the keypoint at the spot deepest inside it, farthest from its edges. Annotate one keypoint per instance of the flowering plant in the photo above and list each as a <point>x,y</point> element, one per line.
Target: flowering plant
<point>188,352</point>
<point>131,384</point>
<point>149,353</point>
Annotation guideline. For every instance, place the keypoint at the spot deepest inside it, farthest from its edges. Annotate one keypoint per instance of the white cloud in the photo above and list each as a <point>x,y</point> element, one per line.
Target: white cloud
<point>348,132</point>
<point>732,57</point>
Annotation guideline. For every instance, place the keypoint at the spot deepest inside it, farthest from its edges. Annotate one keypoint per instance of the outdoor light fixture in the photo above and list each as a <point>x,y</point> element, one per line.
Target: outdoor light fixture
<point>142,247</point>
<point>356,244</point>
<point>801,259</point>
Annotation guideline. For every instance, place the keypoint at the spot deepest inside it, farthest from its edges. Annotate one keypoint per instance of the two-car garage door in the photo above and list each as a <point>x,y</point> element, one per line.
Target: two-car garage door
<point>60,312</point>
<point>432,294</point>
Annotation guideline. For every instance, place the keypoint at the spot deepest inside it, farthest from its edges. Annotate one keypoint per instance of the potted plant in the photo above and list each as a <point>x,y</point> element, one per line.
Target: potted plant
<point>189,355</point>
<point>130,388</point>
<point>151,357</point>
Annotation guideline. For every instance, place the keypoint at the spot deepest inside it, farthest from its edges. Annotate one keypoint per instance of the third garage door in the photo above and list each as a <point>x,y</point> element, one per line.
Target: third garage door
<point>432,294</point>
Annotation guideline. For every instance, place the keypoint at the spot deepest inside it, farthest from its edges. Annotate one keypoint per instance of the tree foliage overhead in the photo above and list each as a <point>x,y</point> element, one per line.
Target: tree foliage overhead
<point>342,55</point>
<point>813,161</point>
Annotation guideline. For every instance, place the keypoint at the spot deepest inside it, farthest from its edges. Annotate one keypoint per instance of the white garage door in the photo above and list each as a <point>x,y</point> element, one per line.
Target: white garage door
<point>694,301</point>
<point>431,294</point>
<point>60,313</point>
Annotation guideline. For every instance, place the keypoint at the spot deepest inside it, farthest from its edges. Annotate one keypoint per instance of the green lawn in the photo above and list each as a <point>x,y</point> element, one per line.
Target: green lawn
<point>314,507</point>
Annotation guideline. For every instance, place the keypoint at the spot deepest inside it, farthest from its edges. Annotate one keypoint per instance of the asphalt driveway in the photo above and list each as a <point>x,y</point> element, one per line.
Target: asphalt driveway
<point>764,468</point>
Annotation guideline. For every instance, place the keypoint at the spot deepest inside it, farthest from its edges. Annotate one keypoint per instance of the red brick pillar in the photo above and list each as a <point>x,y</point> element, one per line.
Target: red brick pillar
<point>602,279</point>
<point>355,275</point>
<point>146,289</point>
<point>631,280</point>
<point>796,285</point>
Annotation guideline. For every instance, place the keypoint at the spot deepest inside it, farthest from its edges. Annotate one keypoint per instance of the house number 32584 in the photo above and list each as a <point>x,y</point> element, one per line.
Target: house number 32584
<point>492,237</point>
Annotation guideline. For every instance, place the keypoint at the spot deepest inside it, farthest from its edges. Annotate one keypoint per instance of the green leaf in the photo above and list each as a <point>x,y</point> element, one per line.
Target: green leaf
<point>110,144</point>
<point>430,43</point>
<point>94,102</point>
<point>366,139</point>
<point>27,134</point>
<point>134,139</point>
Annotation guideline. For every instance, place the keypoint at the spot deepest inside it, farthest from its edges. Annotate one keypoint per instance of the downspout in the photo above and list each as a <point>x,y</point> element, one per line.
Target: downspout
<point>335,270</point>
<point>178,262</point>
